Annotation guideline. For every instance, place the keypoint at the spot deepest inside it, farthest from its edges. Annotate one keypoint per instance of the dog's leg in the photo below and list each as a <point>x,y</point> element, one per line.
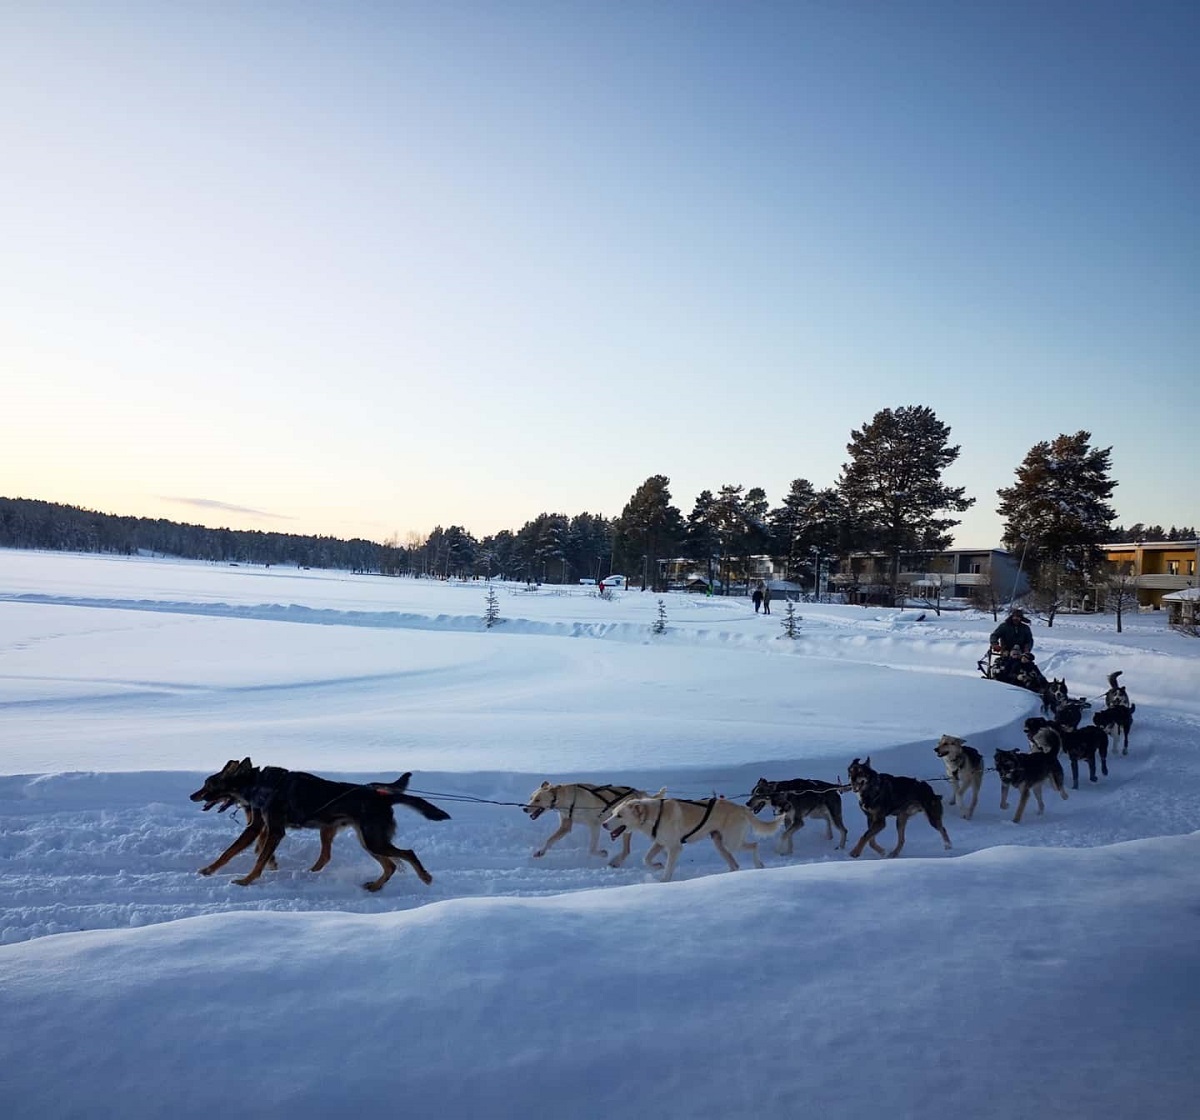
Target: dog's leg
<point>672,860</point>
<point>244,841</point>
<point>874,828</point>
<point>328,832</point>
<point>409,857</point>
<point>649,860</point>
<point>976,786</point>
<point>1003,794</point>
<point>1103,748</point>
<point>786,837</point>
<point>1074,777</point>
<point>389,869</point>
<point>623,855</point>
<point>593,848</point>
<point>901,825</point>
<point>726,854</point>
<point>274,835</point>
<point>1037,792</point>
<point>1022,803</point>
<point>941,828</point>
<point>555,837</point>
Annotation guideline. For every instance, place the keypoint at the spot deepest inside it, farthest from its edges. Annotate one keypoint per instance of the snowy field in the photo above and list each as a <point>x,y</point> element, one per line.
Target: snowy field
<point>1051,966</point>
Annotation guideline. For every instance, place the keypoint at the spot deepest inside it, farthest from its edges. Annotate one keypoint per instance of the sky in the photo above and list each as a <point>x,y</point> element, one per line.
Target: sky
<point>362,269</point>
<point>515,985</point>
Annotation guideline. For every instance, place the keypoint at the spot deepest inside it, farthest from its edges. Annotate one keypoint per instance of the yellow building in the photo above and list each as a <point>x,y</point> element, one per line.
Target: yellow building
<point>1158,567</point>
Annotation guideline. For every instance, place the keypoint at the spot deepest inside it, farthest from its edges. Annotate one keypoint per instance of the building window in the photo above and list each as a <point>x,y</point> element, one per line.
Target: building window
<point>1172,567</point>
<point>1191,567</point>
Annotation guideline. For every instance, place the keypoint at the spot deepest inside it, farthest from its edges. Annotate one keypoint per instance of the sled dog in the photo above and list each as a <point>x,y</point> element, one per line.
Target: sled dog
<point>964,768</point>
<point>670,823</point>
<point>588,805</point>
<point>1116,722</point>
<point>885,795</point>
<point>277,800</point>
<point>1027,772</point>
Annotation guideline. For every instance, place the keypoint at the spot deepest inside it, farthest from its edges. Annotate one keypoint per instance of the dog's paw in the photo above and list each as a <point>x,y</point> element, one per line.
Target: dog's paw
<point>206,871</point>
<point>539,853</point>
<point>244,882</point>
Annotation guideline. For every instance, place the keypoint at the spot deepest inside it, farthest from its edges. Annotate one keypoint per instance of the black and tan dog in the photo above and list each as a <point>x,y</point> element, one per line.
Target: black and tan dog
<point>796,806</point>
<point>1027,772</point>
<point>1116,722</point>
<point>964,769</point>
<point>885,795</point>
<point>1083,744</point>
<point>797,799</point>
<point>276,799</point>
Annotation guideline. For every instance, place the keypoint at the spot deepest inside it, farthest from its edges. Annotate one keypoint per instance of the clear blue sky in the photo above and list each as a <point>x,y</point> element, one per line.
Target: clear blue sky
<point>360,269</point>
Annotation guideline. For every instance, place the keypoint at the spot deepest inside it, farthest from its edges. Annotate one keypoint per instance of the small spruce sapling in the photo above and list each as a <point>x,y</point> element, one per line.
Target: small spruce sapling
<point>491,614</point>
<point>660,623</point>
<point>790,622</point>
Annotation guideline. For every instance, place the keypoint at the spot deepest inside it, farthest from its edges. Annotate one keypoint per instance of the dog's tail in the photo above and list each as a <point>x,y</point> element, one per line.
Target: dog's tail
<point>427,809</point>
<point>394,792</point>
<point>1112,678</point>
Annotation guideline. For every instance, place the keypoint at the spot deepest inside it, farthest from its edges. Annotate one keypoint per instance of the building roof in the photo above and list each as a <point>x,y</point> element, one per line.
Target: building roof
<point>1192,593</point>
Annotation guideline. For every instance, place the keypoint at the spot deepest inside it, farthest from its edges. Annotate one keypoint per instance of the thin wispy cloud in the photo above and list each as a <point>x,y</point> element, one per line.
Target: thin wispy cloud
<point>227,507</point>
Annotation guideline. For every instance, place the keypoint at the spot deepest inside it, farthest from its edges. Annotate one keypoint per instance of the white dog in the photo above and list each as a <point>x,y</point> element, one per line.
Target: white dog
<point>588,805</point>
<point>671,823</point>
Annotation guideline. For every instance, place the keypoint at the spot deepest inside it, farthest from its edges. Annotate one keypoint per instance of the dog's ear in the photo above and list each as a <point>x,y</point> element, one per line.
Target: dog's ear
<point>245,764</point>
<point>867,761</point>
<point>230,767</point>
<point>545,784</point>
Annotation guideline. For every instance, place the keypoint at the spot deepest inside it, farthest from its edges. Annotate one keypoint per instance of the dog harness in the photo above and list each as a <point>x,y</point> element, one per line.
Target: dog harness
<point>708,808</point>
<point>609,795</point>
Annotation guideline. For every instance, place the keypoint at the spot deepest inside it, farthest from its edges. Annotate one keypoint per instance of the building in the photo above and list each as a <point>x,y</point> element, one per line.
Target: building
<point>1183,608</point>
<point>1156,567</point>
<point>955,573</point>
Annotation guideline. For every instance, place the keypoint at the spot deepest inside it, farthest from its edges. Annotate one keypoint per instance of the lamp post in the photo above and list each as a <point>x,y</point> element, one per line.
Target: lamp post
<point>816,552</point>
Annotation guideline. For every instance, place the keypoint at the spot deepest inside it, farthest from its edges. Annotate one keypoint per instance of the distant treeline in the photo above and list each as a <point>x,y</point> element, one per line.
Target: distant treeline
<point>25,523</point>
<point>1140,532</point>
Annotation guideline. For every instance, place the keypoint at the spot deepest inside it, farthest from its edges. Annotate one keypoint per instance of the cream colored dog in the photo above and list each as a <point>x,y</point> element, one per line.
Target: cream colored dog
<point>964,768</point>
<point>588,805</point>
<point>671,823</point>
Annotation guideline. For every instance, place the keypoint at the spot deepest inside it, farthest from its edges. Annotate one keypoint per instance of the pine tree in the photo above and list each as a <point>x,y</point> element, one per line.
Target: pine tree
<point>892,487</point>
<point>702,542</point>
<point>1056,516</point>
<point>650,527</point>
<point>790,621</point>
<point>491,613</point>
<point>660,623</point>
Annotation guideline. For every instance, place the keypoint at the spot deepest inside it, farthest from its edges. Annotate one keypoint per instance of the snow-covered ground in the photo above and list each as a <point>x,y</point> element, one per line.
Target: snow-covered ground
<point>1051,965</point>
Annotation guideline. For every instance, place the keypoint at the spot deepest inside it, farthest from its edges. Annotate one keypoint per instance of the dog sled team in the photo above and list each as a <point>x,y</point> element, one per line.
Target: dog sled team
<point>275,800</point>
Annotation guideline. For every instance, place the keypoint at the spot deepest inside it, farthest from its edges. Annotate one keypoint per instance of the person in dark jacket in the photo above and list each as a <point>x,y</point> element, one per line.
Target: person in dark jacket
<point>1013,634</point>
